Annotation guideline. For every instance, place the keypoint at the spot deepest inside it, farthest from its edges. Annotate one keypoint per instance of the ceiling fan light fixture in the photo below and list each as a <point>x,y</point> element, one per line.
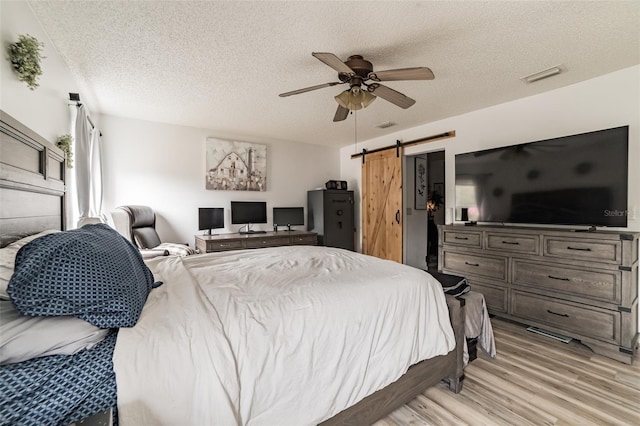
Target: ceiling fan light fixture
<point>355,98</point>
<point>364,84</point>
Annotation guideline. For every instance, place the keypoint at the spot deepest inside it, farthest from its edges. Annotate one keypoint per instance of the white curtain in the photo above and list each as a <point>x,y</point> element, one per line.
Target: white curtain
<point>84,179</point>
<point>95,202</point>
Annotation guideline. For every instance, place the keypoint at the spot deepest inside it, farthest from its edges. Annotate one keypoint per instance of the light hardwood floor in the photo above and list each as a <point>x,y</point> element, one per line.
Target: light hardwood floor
<point>534,380</point>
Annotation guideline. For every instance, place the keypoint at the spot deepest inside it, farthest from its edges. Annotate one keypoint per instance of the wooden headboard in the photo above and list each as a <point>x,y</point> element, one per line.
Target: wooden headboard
<point>31,182</point>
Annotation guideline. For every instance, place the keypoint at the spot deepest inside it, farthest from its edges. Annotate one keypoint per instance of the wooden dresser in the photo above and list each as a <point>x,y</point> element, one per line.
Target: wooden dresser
<point>226,242</point>
<point>580,284</point>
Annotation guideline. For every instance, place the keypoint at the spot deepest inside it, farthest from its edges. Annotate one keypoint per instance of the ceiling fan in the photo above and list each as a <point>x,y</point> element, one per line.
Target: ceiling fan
<point>364,84</point>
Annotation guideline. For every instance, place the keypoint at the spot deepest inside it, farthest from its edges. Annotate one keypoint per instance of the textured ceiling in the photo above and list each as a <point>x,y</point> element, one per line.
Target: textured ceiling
<point>221,65</point>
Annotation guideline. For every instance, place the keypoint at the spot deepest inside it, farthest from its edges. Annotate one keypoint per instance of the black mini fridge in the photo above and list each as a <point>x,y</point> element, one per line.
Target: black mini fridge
<point>330,213</point>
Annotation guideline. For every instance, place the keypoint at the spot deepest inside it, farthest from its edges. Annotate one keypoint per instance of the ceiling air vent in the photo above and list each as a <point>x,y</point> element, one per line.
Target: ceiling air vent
<point>385,124</point>
<point>550,72</point>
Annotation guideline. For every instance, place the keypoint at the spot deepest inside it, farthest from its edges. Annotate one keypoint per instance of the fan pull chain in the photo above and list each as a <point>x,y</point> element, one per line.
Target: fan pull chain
<point>355,129</point>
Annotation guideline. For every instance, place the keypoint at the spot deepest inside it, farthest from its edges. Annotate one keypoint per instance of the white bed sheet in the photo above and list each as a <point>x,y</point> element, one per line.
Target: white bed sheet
<point>478,325</point>
<point>284,335</point>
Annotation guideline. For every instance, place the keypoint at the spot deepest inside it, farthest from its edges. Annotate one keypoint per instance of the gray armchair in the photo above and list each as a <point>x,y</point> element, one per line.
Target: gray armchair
<point>138,225</point>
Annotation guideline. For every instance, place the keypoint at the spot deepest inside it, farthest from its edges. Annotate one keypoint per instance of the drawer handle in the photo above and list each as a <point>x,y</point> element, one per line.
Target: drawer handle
<point>471,264</point>
<point>578,248</point>
<point>513,243</point>
<point>560,315</point>
<point>558,278</point>
<point>461,238</point>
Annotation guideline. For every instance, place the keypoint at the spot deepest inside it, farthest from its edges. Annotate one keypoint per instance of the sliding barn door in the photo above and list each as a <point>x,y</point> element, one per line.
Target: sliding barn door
<point>382,204</point>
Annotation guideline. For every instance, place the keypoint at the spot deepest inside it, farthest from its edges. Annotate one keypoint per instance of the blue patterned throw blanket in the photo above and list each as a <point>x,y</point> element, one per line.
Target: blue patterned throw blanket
<point>59,389</point>
<point>91,273</point>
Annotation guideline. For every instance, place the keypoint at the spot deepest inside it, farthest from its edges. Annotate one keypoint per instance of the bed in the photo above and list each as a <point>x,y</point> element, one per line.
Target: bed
<point>254,325</point>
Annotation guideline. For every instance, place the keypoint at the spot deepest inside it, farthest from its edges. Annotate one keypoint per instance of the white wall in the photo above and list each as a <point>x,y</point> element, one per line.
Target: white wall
<point>608,101</point>
<point>163,166</point>
<point>44,110</point>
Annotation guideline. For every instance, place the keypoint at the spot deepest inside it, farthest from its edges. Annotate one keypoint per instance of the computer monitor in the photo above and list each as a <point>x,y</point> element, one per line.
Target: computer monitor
<point>210,218</point>
<point>288,216</point>
<point>248,212</point>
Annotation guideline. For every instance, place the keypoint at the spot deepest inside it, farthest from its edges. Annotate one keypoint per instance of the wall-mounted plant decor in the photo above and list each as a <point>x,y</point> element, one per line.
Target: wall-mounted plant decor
<point>64,143</point>
<point>25,57</point>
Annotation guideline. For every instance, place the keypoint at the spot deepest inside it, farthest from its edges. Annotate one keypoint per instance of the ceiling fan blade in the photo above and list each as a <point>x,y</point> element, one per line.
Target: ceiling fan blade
<point>341,113</point>
<point>334,62</point>
<point>308,89</point>
<point>391,95</point>
<point>417,73</point>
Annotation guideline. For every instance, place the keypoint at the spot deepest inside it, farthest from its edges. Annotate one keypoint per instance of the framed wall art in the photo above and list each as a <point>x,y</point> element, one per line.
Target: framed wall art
<point>235,166</point>
<point>421,183</point>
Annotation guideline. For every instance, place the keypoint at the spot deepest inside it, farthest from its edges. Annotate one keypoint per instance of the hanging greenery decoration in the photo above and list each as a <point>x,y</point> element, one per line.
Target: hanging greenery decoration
<point>64,143</point>
<point>25,57</point>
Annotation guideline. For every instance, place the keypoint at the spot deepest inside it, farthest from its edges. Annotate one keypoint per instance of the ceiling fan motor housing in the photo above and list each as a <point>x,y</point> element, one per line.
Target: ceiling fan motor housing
<point>360,66</point>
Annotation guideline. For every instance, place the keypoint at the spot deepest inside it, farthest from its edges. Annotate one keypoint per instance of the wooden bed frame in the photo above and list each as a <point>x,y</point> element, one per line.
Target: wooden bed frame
<point>32,200</point>
<point>31,182</point>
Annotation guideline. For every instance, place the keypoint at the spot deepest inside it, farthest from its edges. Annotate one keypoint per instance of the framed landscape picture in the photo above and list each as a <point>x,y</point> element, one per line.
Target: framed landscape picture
<point>235,166</point>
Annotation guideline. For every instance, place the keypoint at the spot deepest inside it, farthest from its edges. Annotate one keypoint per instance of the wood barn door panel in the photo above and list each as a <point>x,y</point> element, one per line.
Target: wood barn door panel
<point>382,205</point>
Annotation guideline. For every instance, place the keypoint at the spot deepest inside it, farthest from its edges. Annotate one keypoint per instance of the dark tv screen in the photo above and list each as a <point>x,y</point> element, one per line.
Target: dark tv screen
<point>288,216</point>
<point>573,180</point>
<point>245,212</point>
<point>210,218</point>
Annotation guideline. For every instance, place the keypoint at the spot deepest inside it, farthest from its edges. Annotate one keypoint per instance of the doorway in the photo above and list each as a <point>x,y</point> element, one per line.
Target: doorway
<point>435,205</point>
<point>424,208</point>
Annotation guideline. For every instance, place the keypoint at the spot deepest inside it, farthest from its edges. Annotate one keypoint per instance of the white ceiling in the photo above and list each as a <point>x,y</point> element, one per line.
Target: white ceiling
<point>221,65</point>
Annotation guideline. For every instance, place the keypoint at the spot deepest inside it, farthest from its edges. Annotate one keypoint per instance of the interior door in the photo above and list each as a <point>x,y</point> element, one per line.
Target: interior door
<point>382,204</point>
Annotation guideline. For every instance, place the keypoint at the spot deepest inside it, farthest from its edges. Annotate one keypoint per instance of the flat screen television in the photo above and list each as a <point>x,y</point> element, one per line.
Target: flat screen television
<point>248,212</point>
<point>288,216</point>
<point>210,218</point>
<point>572,180</point>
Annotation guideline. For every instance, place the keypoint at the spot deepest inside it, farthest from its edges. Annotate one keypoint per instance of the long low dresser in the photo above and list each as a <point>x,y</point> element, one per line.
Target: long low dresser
<point>580,284</point>
<point>226,242</point>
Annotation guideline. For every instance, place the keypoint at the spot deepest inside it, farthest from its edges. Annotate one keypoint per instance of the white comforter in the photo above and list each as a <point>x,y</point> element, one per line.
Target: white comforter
<point>283,335</point>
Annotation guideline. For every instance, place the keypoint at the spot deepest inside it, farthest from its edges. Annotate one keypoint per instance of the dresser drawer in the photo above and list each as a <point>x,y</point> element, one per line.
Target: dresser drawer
<point>475,265</point>
<point>574,318</point>
<point>528,244</point>
<point>495,297</point>
<point>593,284</point>
<point>266,242</point>
<point>224,245</point>
<point>307,240</point>
<point>467,239</point>
<point>583,249</point>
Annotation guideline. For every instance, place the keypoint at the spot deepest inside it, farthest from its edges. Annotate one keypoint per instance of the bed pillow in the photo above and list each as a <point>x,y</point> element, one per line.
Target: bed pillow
<point>25,337</point>
<point>8,260</point>
<point>92,273</point>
